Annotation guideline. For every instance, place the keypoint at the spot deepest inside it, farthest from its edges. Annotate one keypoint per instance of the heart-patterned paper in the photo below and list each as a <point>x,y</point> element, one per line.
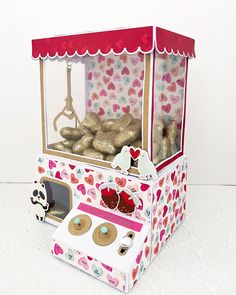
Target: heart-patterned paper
<point>169,83</point>
<point>115,84</point>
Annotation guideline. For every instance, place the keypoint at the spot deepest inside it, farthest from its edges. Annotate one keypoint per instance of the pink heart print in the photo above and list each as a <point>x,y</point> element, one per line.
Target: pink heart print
<point>81,188</point>
<point>182,63</point>
<point>58,175</point>
<point>90,75</point>
<point>166,78</point>
<point>174,99</point>
<point>162,233</point>
<point>142,76</point>
<point>125,71</point>
<point>134,60</point>
<point>110,72</point>
<point>84,263</point>
<point>166,108</point>
<point>180,82</point>
<point>103,92</point>
<point>101,58</point>
<point>64,174</point>
<point>136,83</point>
<point>101,112</point>
<point>92,193</point>
<point>138,258</point>
<point>112,96</point>
<point>58,249</point>
<point>106,80</point>
<point>131,91</point>
<point>106,267</point>
<point>96,75</point>
<point>116,77</point>
<point>133,100</point>
<point>111,86</point>
<point>116,107</point>
<point>112,281</point>
<point>51,164</point>
<point>140,94</point>
<point>163,97</point>
<point>126,109</point>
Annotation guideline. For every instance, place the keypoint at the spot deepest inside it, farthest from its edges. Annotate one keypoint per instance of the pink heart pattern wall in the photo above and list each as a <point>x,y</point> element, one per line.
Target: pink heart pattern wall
<point>85,182</point>
<point>115,85</point>
<point>163,206</point>
<point>169,87</point>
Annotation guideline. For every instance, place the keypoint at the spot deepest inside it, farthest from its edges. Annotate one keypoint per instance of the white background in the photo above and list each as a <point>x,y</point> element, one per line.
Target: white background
<point>211,115</point>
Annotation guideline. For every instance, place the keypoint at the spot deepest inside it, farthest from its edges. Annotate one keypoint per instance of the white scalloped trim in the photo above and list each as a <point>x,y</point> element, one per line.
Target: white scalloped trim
<point>154,46</point>
<point>88,53</point>
<point>174,53</point>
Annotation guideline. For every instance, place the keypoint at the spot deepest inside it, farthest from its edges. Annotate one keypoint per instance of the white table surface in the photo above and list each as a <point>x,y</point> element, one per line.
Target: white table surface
<point>199,259</point>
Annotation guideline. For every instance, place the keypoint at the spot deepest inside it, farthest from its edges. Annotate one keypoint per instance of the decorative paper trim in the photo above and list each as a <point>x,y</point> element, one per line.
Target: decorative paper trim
<point>130,41</point>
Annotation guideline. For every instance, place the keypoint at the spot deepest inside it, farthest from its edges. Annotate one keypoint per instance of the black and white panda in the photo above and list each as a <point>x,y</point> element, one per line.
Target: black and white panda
<point>39,201</point>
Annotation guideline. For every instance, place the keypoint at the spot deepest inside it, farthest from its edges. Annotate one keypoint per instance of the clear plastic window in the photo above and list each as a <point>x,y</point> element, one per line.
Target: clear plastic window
<point>93,105</point>
<point>169,88</point>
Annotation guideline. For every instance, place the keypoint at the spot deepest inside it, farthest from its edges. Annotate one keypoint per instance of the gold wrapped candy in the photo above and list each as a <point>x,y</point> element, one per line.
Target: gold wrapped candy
<point>58,210</point>
<point>92,153</point>
<point>165,141</point>
<point>82,144</point>
<point>59,146</point>
<point>110,158</point>
<point>171,132</point>
<point>122,123</point>
<point>165,150</point>
<point>101,139</point>
<point>104,142</point>
<point>92,122</point>
<point>71,133</point>
<point>127,136</point>
<point>107,124</point>
<point>137,143</point>
<point>68,143</point>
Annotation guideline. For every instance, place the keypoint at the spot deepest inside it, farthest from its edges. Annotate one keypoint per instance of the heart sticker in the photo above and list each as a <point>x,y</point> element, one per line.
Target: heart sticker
<point>134,153</point>
<point>58,249</point>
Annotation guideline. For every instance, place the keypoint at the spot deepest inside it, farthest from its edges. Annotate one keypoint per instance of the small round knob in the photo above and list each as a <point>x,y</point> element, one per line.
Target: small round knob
<point>76,221</point>
<point>104,229</point>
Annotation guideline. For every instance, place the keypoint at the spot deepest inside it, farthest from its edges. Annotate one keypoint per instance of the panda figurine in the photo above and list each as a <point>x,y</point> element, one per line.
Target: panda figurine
<point>39,201</point>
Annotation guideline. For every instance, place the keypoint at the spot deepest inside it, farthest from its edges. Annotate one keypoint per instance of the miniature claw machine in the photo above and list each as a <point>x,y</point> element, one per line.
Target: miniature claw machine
<point>112,173</point>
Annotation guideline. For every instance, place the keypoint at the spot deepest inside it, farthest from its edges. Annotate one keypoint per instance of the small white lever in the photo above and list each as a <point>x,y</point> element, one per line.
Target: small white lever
<point>126,242</point>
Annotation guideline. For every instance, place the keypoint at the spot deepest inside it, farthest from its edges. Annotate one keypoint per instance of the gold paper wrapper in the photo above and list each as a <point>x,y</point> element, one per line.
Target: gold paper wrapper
<point>110,158</point>
<point>68,143</point>
<point>104,142</point>
<point>58,210</point>
<point>107,124</point>
<point>137,143</point>
<point>127,136</point>
<point>171,130</point>
<point>138,122</point>
<point>92,153</point>
<point>59,146</point>
<point>165,150</point>
<point>83,143</point>
<point>71,133</point>
<point>92,122</point>
<point>122,123</point>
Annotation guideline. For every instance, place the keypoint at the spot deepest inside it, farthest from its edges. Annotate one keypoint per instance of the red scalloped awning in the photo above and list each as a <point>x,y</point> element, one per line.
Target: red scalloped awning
<point>144,40</point>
